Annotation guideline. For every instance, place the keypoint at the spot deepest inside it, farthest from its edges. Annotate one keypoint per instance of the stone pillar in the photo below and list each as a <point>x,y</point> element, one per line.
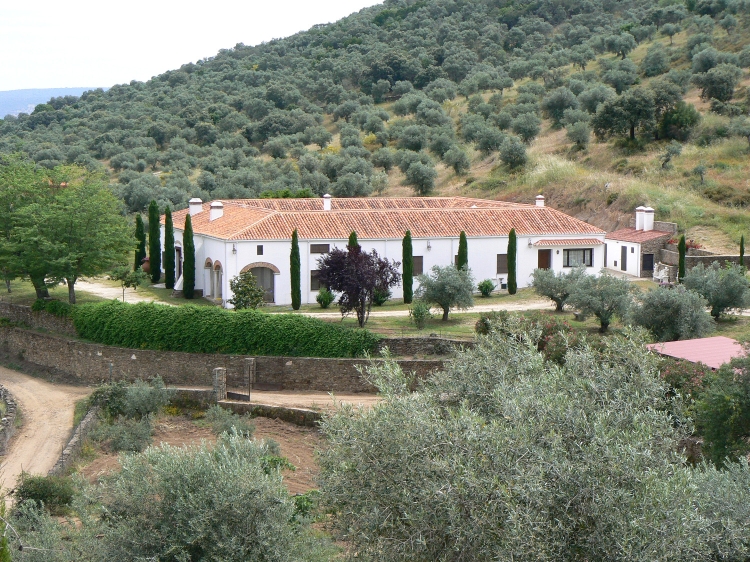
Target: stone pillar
<point>220,384</point>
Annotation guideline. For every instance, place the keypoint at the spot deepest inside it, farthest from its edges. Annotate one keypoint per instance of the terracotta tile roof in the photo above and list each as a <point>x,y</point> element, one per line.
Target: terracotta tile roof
<point>714,351</point>
<point>636,236</point>
<point>378,218</point>
<point>569,242</point>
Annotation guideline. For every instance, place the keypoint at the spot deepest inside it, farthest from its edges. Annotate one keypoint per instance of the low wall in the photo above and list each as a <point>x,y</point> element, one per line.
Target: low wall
<point>40,320</point>
<point>403,347</point>
<point>7,427</point>
<point>80,362</point>
<point>297,416</point>
<point>70,452</point>
<point>673,258</point>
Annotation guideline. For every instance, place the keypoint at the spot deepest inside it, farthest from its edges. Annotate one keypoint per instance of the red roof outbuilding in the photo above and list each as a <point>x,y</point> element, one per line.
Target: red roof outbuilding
<point>713,352</point>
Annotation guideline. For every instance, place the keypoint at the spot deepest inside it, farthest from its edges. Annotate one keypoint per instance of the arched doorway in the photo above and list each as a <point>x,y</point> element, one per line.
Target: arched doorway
<point>217,280</point>
<point>208,278</point>
<point>264,273</point>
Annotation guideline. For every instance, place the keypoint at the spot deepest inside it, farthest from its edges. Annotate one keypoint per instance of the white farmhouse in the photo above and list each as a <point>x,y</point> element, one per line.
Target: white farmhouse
<point>238,235</point>
<point>635,250</point>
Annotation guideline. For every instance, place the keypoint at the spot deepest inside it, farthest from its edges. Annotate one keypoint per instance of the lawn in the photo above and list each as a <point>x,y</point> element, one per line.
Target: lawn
<point>22,292</point>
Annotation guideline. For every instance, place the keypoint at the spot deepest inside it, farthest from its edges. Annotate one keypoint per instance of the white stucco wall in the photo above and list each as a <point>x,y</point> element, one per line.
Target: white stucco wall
<point>614,252</point>
<point>482,259</point>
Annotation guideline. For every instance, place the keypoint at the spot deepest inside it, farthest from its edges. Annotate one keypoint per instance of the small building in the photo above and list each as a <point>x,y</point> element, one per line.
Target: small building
<point>636,250</point>
<point>241,235</point>
<point>712,352</point>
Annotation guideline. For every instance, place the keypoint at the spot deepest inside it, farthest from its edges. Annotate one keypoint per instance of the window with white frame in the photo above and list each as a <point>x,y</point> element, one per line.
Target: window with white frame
<point>574,258</point>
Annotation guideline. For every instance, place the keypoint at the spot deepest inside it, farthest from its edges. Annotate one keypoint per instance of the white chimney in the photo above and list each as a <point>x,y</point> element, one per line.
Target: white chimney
<point>639,212</point>
<point>217,210</point>
<point>540,200</point>
<point>326,202</point>
<point>195,206</point>
<point>648,219</point>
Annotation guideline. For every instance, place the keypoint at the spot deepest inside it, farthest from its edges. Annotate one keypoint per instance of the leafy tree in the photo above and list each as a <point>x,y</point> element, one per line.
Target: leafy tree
<point>513,153</point>
<point>700,170</point>
<point>672,150</point>
<point>407,258</point>
<point>512,259</point>
<point>356,275</point>
<point>621,44</point>
<point>681,251</point>
<point>556,286</point>
<point>421,176</point>
<point>294,268</point>
<point>246,293</point>
<point>526,126</point>
<point>591,98</point>
<point>462,260</point>
<point>621,75</point>
<point>169,253</point>
<point>678,122</point>
<point>602,296</point>
<point>586,447</point>
<point>154,241</point>
<point>128,278</point>
<point>579,133</point>
<point>457,159</point>
<point>670,30</point>
<point>672,314</point>
<point>719,82</point>
<point>188,263</point>
<point>626,113</point>
<point>725,288</point>
<point>557,101</point>
<point>447,287</point>
<point>140,237</point>
<point>655,62</point>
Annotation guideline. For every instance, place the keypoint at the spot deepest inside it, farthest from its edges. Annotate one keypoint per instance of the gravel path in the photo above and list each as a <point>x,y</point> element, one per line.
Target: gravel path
<point>47,414</point>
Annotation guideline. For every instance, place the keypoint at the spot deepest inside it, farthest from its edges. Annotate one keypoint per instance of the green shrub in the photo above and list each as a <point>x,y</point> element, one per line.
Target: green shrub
<point>420,314</point>
<point>381,296</point>
<point>684,376</point>
<point>133,401</point>
<point>672,314</point>
<point>56,308</point>
<point>223,420</point>
<point>54,493</point>
<point>325,297</point>
<point>487,321</point>
<point>486,287</point>
<point>214,330</point>
<point>126,435</point>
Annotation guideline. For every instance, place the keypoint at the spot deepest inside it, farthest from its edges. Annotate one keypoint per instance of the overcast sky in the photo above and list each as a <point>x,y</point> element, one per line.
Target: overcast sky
<point>86,43</point>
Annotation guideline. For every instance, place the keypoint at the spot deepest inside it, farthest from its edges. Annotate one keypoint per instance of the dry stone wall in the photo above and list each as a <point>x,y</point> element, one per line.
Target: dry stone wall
<point>39,320</point>
<point>7,427</point>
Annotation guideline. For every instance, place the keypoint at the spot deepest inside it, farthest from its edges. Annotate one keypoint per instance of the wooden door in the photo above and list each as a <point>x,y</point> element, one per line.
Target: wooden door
<point>544,260</point>
<point>178,261</point>
<point>624,258</point>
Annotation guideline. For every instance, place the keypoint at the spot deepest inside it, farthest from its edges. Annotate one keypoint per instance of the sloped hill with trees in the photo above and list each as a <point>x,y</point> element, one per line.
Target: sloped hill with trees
<point>602,105</point>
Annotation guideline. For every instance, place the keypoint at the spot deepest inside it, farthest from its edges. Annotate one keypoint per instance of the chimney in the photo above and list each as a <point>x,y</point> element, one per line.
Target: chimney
<point>639,212</point>
<point>195,206</point>
<point>217,210</point>
<point>540,200</point>
<point>326,202</point>
<point>648,219</point>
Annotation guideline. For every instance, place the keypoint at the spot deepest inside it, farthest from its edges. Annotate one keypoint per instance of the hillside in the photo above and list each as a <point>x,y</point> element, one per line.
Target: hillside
<point>601,105</point>
<point>13,102</point>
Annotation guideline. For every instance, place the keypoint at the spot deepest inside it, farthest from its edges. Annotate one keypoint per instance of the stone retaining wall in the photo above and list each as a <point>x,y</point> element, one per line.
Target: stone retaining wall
<point>706,258</point>
<point>88,363</point>
<point>40,320</point>
<point>403,347</point>
<point>71,450</point>
<point>7,427</point>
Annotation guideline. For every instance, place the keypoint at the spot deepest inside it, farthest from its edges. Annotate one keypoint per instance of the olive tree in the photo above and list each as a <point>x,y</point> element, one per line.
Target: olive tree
<point>672,314</point>
<point>447,287</point>
<point>724,288</point>
<point>556,286</point>
<point>604,297</point>
<point>504,456</point>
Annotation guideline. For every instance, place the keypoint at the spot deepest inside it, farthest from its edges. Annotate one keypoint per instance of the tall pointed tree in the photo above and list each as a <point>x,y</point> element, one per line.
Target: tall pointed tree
<point>512,253</point>
<point>294,267</point>
<point>681,250</point>
<point>140,237</point>
<point>154,241</point>
<point>353,242</point>
<point>188,266</point>
<point>742,251</point>
<point>407,258</point>
<point>463,252</point>
<point>169,255</point>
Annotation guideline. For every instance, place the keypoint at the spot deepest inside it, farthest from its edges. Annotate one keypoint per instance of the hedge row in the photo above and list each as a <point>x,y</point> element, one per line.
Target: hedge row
<point>196,329</point>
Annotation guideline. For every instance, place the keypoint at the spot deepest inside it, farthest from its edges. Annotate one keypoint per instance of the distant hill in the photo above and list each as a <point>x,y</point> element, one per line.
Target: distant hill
<point>13,102</point>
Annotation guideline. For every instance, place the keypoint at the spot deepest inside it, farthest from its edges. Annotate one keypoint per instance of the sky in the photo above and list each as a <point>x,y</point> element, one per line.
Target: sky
<point>99,43</point>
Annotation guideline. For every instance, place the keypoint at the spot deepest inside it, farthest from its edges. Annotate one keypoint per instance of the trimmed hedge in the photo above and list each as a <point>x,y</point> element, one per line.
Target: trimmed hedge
<point>56,308</point>
<point>194,329</point>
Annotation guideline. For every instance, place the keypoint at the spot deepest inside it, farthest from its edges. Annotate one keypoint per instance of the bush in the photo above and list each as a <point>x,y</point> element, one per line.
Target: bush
<point>246,293</point>
<point>672,314</point>
<point>124,435</point>
<point>54,493</point>
<point>381,296</point>
<point>724,288</point>
<point>486,287</point>
<point>420,314</point>
<point>513,153</point>
<point>223,420</point>
<point>56,308</point>
<point>214,330</point>
<point>325,297</point>
<point>133,401</point>
<point>684,376</point>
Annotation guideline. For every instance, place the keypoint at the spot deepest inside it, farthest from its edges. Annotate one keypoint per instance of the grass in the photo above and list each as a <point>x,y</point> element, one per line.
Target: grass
<point>23,293</point>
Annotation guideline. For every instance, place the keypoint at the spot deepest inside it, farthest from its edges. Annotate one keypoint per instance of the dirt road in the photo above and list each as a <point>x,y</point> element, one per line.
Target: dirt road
<point>47,413</point>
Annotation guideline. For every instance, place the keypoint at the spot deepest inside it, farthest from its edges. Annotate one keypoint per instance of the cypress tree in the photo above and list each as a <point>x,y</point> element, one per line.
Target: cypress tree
<point>463,252</point>
<point>407,256</point>
<point>169,256</point>
<point>353,242</point>
<point>188,265</point>
<point>140,236</point>
<point>154,241</point>
<point>742,251</point>
<point>294,266</point>
<point>512,251</point>
<point>681,247</point>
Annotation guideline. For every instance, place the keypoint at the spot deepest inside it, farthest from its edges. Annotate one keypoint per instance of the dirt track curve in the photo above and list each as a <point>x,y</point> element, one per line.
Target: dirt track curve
<point>47,413</point>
